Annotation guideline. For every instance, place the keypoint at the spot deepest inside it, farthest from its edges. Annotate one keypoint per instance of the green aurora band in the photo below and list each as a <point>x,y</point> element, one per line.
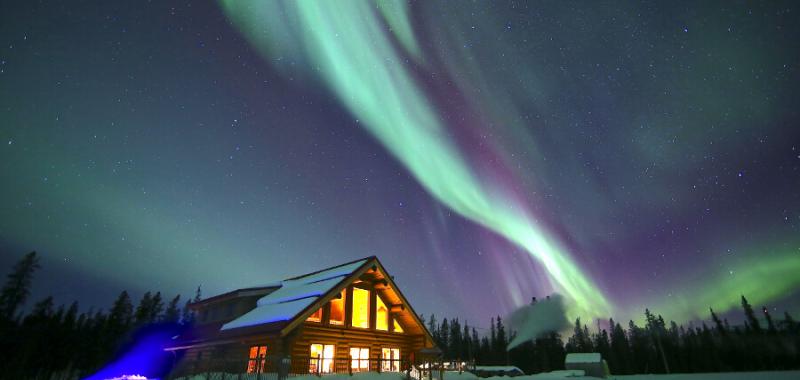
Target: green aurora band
<point>361,51</point>
<point>346,44</point>
<point>760,278</point>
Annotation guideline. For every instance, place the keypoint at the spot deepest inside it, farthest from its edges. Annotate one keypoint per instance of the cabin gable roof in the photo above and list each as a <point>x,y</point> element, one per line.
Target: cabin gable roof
<point>298,297</point>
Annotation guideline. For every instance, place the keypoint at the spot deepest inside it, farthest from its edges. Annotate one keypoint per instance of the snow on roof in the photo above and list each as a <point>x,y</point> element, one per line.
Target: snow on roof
<point>293,296</point>
<point>589,357</point>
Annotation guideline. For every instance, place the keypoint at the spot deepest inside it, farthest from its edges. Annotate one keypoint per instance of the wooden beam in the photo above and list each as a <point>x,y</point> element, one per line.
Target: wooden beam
<point>397,308</point>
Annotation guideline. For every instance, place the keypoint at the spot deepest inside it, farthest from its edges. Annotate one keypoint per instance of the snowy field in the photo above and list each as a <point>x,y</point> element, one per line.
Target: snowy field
<point>777,375</point>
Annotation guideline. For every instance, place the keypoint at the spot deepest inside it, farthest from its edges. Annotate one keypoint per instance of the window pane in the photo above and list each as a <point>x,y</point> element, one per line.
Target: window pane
<point>321,358</point>
<point>397,327</point>
<point>390,359</point>
<point>337,310</point>
<point>315,362</point>
<point>360,308</point>
<point>381,315</point>
<point>359,359</point>
<point>364,359</point>
<point>257,362</point>
<point>316,317</point>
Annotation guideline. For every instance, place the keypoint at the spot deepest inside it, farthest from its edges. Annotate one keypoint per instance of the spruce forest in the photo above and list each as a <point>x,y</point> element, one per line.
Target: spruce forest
<point>64,341</point>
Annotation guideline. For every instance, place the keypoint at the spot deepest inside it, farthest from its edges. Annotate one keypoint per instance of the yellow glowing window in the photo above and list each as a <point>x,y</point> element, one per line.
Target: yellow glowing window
<point>381,315</point>
<point>321,358</point>
<point>390,359</point>
<point>316,317</point>
<point>359,359</point>
<point>337,310</point>
<point>360,308</point>
<point>257,362</point>
<point>397,327</point>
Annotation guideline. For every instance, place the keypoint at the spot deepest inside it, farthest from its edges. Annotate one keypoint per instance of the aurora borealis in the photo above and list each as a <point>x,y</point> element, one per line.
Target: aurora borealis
<point>623,155</point>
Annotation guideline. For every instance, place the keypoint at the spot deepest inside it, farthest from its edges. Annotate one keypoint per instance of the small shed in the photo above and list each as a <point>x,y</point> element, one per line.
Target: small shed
<point>591,363</point>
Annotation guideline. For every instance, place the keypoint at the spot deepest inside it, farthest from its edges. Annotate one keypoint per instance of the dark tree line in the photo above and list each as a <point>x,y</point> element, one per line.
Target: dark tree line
<point>658,347</point>
<point>60,340</point>
<point>465,344</point>
<point>759,344</point>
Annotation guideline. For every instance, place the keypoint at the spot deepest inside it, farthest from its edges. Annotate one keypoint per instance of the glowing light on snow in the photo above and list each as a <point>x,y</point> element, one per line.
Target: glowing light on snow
<point>145,359</point>
<point>132,377</point>
<point>365,65</point>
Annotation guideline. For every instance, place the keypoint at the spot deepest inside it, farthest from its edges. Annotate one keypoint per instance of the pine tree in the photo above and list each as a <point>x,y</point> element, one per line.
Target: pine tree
<point>17,286</point>
<point>492,340</point>
<point>144,309</point>
<point>502,342</point>
<point>172,314</point>
<point>466,343</point>
<point>476,345</point>
<point>43,308</point>
<point>121,311</point>
<point>788,323</point>
<point>770,325</point>
<point>156,307</point>
<point>602,344</point>
<point>620,349</point>
<point>485,351</point>
<point>433,328</point>
<point>580,340</point>
<point>718,323</point>
<point>455,339</point>
<point>752,321</point>
<point>444,338</point>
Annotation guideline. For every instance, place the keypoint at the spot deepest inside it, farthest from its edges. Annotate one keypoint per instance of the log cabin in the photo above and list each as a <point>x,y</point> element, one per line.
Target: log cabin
<point>347,318</point>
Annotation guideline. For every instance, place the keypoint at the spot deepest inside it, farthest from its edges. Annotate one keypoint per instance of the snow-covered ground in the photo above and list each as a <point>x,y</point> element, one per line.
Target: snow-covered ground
<point>777,375</point>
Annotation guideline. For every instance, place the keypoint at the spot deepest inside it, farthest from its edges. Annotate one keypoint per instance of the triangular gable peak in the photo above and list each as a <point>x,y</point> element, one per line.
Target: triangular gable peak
<point>374,275</point>
<point>300,297</point>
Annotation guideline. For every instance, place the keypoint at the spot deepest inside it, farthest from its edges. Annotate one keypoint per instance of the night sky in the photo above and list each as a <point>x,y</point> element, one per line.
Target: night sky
<point>626,155</point>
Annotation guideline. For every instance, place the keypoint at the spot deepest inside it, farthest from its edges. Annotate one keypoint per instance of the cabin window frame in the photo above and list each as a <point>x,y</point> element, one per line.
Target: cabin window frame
<point>379,300</point>
<point>395,325</point>
<point>367,308</point>
<point>311,317</point>
<point>359,363</point>
<point>321,364</point>
<point>257,359</point>
<point>343,299</point>
<point>393,362</point>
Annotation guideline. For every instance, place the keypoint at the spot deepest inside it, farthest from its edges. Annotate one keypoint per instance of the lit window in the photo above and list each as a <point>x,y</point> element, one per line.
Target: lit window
<point>397,327</point>
<point>359,359</point>
<point>381,315</point>
<point>360,308</point>
<point>257,362</point>
<point>316,317</point>
<point>390,359</point>
<point>321,358</point>
<point>337,310</point>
